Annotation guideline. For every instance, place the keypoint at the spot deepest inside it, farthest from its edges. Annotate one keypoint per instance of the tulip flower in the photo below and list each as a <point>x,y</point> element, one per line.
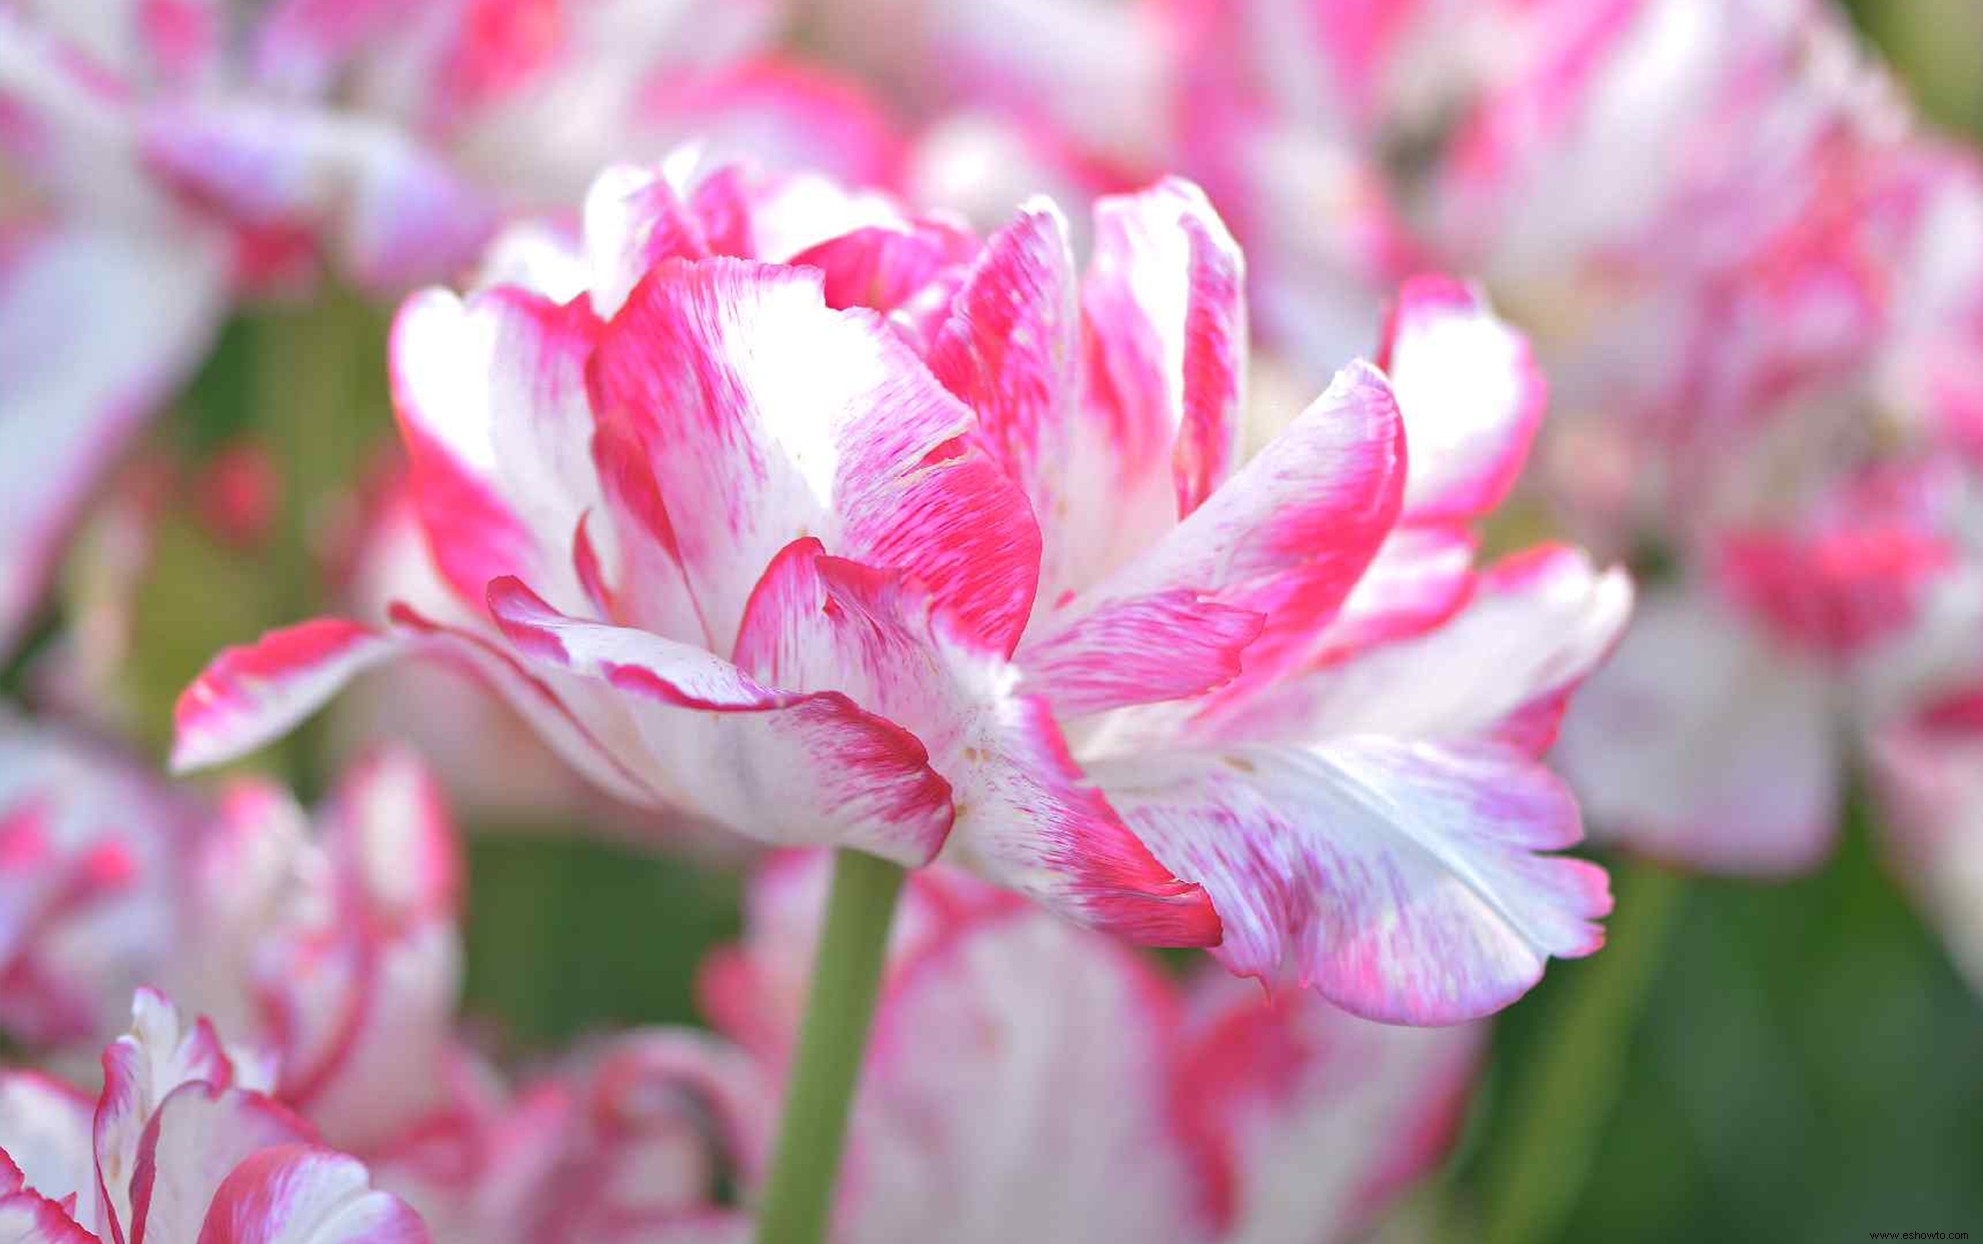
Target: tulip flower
<point>836,527</point>
<point>183,1144</point>
<point>997,588</point>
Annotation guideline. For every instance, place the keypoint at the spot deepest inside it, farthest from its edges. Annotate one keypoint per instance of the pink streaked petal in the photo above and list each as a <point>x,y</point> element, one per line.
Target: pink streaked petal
<point>74,397</point>
<point>1704,744</point>
<point>1026,816</point>
<point>1471,393</point>
<point>1404,882</point>
<point>199,1133</point>
<point>249,696</point>
<point>1007,348</point>
<point>1018,1084</point>
<point>299,1194</point>
<point>1536,626</point>
<point>764,416</point>
<point>781,766</point>
<point>1167,646</point>
<point>490,395</point>
<point>1165,300</point>
<point>1291,532</point>
<point>28,1218</point>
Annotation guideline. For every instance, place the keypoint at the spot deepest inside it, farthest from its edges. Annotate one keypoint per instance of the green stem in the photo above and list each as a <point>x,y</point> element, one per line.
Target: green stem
<point>798,1197</point>
<point>1564,1101</point>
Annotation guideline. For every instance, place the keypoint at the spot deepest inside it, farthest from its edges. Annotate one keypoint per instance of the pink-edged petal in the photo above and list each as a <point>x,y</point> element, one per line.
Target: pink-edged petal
<point>197,1136</point>
<point>1288,535</point>
<point>1165,300</point>
<point>1311,1120</point>
<point>1471,393</point>
<point>1026,816</point>
<point>161,1055</point>
<point>1703,743</point>
<point>764,416</point>
<point>1167,646</point>
<point>1018,1085</point>
<point>1403,882</point>
<point>28,1218</point>
<point>784,767</point>
<point>490,395</point>
<point>251,695</point>
<point>1503,667</point>
<point>96,331</point>
<point>299,1194</point>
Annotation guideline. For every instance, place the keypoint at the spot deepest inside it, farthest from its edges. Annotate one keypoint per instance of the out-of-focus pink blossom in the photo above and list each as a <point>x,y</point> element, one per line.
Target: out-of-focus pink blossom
<point>184,1143</point>
<point>1027,1074</point>
<point>924,544</point>
<point>171,156</point>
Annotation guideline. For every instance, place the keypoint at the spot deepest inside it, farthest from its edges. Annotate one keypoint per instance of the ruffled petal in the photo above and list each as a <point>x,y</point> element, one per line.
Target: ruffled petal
<point>1287,537</point>
<point>1404,882</point>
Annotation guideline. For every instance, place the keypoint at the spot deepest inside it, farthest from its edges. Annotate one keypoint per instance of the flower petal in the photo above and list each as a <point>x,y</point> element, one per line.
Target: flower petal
<point>764,416</point>
<point>198,1135</point>
<point>1165,299</point>
<point>783,767</point>
<point>1471,393</point>
<point>1402,881</point>
<point>1289,534</point>
<point>249,696</point>
<point>1503,667</point>
<point>300,1194</point>
<point>28,1218</point>
<point>490,396</point>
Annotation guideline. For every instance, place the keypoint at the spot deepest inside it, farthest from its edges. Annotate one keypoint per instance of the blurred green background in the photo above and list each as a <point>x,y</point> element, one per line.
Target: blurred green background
<point>1787,1062</point>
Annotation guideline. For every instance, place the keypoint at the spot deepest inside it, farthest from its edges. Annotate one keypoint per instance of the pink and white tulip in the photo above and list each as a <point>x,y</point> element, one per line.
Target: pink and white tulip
<point>840,527</point>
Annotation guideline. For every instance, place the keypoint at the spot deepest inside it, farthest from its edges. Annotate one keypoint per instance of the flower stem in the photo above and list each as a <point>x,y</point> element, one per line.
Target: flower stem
<point>798,1197</point>
<point>1573,1083</point>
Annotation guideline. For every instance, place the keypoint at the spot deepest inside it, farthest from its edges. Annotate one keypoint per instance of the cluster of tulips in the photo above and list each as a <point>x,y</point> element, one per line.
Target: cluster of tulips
<point>1027,481</point>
